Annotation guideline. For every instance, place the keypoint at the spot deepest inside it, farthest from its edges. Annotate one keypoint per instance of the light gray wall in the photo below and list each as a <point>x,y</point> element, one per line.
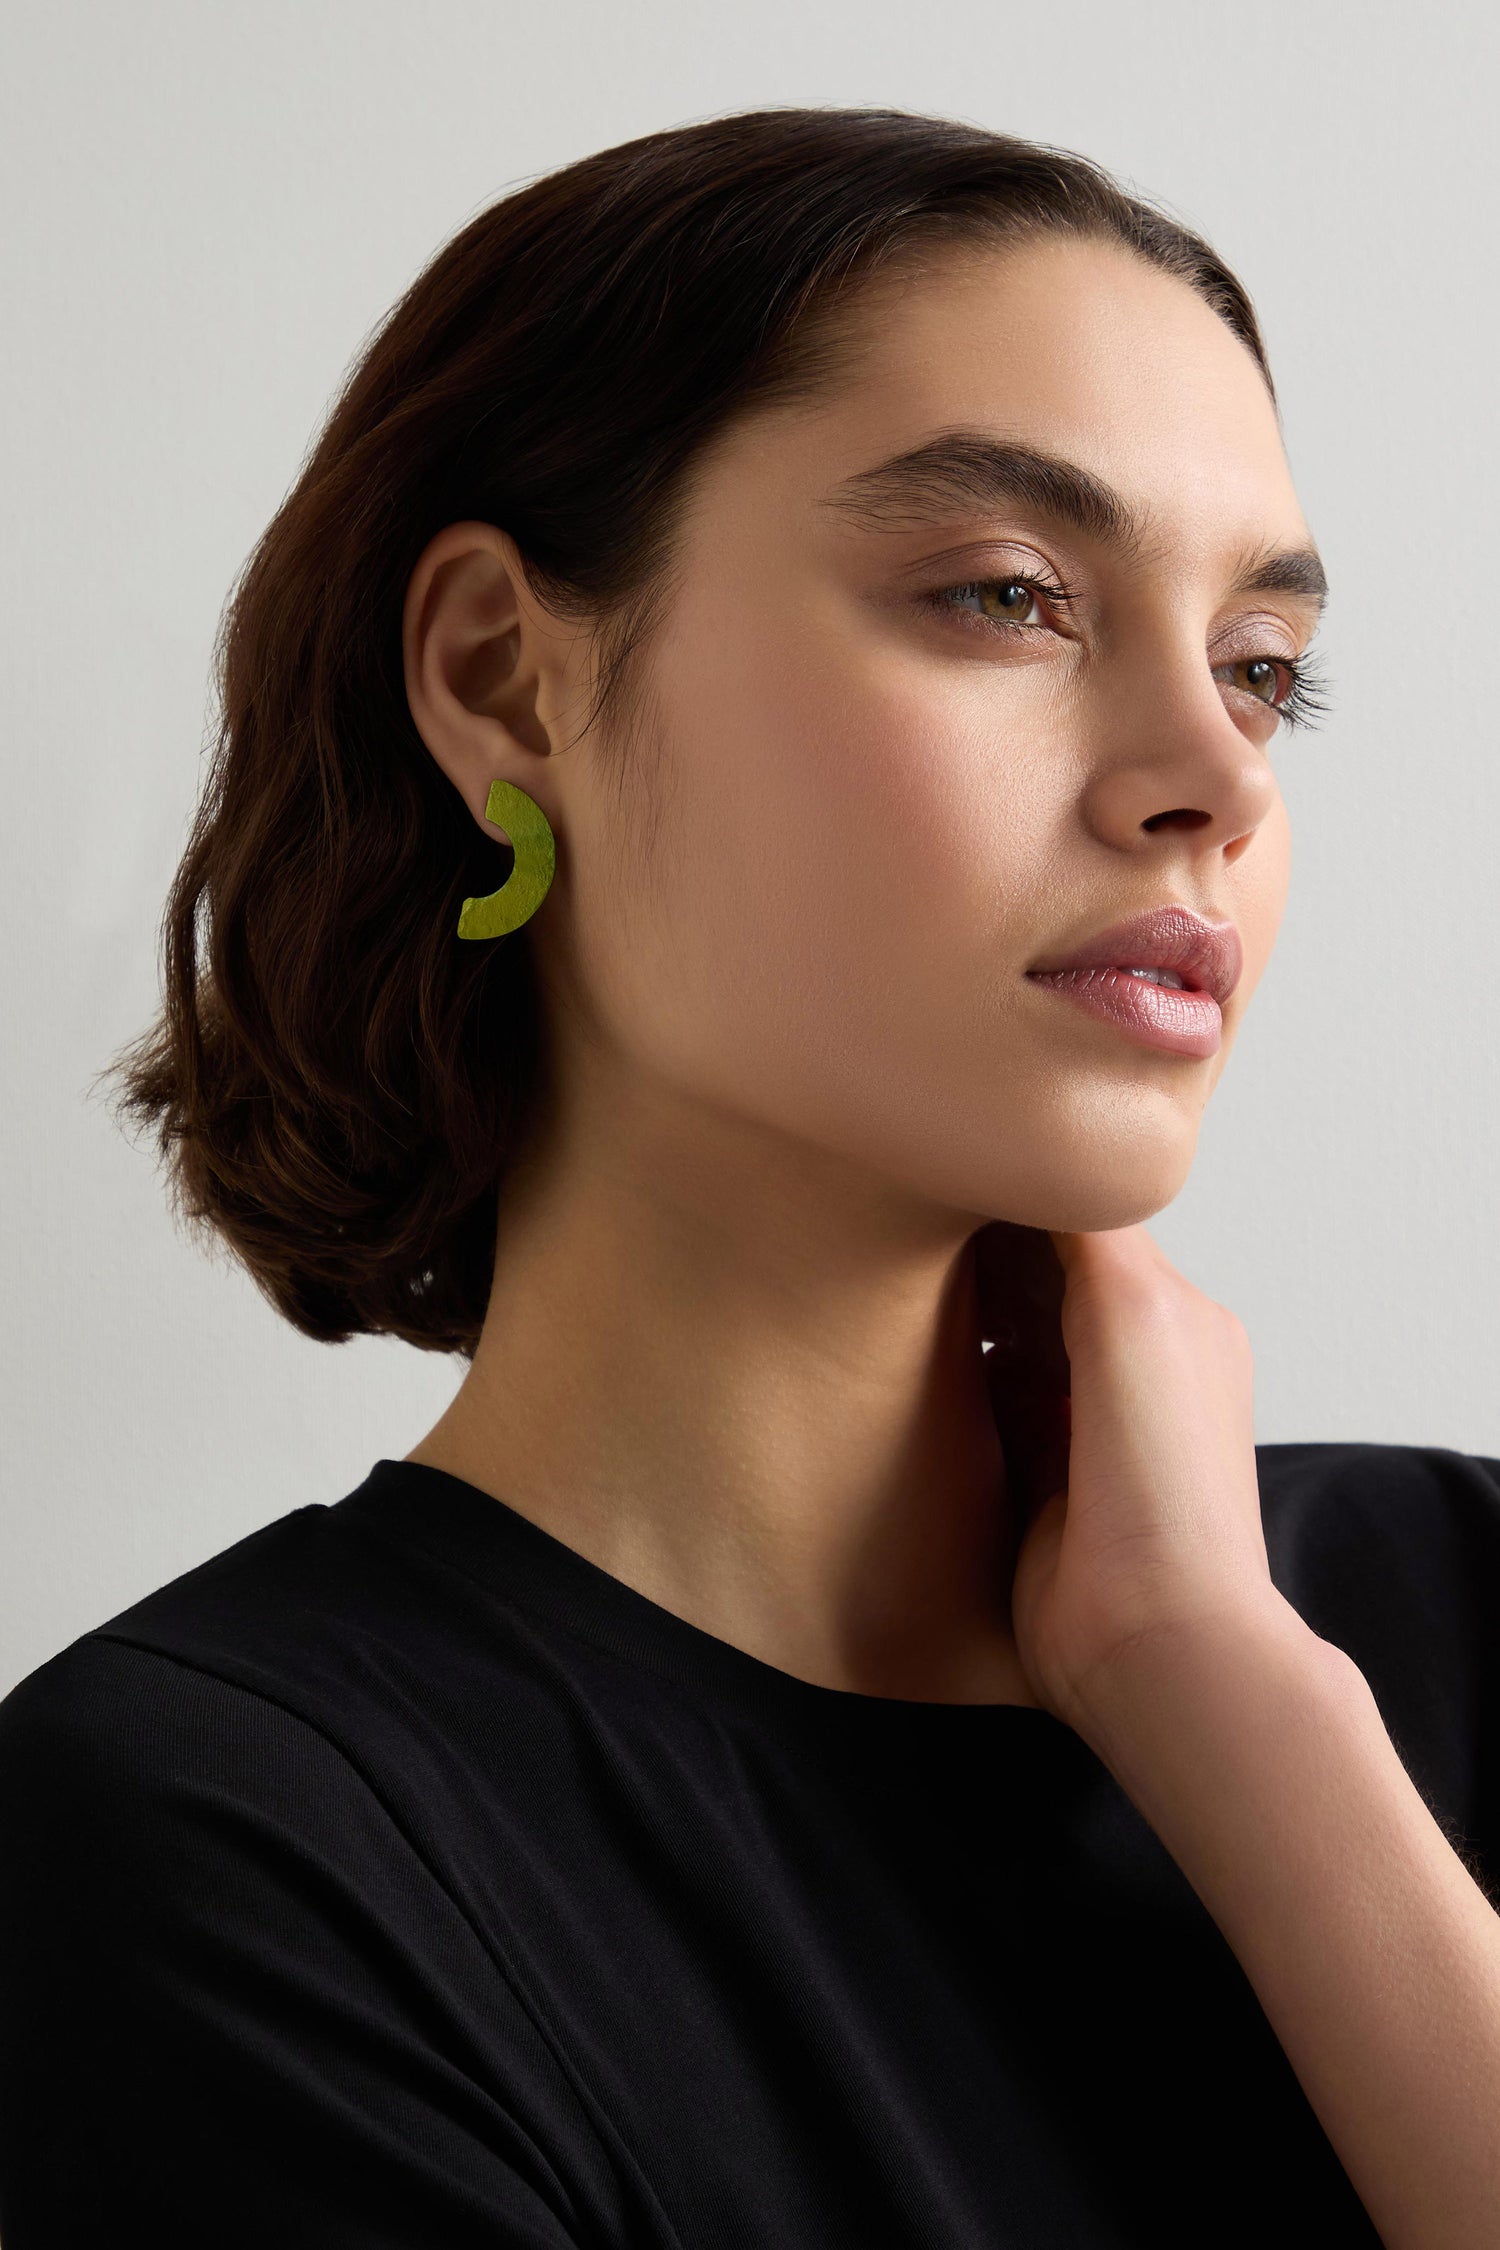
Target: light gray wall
<point>209,206</point>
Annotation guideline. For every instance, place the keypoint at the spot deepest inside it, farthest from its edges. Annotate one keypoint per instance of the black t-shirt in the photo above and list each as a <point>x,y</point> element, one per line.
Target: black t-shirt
<point>398,1877</point>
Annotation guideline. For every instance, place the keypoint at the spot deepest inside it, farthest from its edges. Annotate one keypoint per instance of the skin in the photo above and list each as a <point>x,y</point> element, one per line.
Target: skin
<point>732,1352</point>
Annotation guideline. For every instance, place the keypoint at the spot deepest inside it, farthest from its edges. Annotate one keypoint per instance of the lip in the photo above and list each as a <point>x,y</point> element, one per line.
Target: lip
<point>1208,956</point>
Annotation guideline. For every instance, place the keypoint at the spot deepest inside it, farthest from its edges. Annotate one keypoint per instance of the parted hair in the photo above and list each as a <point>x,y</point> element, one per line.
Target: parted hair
<point>335,1083</point>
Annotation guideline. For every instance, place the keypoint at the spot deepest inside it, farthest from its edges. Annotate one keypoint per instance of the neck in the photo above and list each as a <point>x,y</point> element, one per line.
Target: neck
<point>755,1396</point>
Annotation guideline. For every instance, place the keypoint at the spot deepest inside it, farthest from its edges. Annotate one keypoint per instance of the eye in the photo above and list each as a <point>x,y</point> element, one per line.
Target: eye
<point>1287,685</point>
<point>1264,677</point>
<point>1006,603</point>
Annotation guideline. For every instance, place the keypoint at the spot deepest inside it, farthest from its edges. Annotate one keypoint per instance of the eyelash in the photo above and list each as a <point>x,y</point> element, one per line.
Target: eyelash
<point>1304,702</point>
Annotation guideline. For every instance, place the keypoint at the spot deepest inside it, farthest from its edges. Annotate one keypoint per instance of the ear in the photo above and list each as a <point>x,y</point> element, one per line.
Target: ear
<point>486,666</point>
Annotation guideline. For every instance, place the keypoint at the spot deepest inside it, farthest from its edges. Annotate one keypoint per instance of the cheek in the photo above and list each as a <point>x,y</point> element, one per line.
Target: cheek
<point>849,855</point>
<point>846,854</point>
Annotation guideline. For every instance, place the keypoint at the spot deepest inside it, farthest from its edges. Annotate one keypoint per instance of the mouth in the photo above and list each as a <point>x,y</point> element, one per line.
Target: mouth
<point>1162,977</point>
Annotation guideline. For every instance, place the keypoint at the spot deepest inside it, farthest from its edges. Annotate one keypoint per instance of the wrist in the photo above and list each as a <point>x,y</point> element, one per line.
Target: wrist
<point>1199,1675</point>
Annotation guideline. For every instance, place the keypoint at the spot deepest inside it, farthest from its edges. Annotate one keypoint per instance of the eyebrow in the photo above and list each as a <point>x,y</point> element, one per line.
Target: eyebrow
<point>966,468</point>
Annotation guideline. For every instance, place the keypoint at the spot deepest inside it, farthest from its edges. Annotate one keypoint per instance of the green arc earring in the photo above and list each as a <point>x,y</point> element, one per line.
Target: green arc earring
<point>530,878</point>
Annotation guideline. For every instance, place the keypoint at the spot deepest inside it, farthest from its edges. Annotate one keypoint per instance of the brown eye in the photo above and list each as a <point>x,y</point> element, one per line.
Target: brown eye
<point>1005,597</point>
<point>1260,676</point>
<point>1014,603</point>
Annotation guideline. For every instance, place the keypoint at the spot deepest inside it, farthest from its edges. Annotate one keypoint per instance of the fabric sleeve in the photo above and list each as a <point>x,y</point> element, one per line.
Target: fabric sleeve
<point>236,2006</point>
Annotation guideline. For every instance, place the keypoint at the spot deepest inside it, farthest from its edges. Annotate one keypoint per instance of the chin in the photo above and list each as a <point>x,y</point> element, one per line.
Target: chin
<point>1095,1198</point>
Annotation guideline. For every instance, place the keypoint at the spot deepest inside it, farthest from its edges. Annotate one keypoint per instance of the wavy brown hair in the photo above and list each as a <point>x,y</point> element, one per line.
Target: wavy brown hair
<point>337,1085</point>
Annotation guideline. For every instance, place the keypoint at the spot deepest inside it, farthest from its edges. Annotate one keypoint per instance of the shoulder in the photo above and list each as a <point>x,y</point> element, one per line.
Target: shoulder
<point>1347,1523</point>
<point>232,1647</point>
<point>297,1615</point>
<point>1392,1552</point>
<point>224,1700</point>
<point>302,1667</point>
<point>219,1935</point>
<point>120,1762</point>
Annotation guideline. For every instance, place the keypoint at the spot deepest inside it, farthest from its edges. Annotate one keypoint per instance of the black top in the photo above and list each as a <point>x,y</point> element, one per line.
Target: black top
<point>399,1877</point>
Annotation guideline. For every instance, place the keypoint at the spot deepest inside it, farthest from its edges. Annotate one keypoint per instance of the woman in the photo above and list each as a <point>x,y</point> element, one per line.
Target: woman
<point>764,1769</point>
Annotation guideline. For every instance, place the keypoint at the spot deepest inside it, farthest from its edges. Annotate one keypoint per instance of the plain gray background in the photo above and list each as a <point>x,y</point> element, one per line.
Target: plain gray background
<point>209,207</point>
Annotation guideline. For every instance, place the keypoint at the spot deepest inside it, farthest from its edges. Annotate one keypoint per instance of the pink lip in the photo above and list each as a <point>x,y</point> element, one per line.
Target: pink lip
<point>1207,955</point>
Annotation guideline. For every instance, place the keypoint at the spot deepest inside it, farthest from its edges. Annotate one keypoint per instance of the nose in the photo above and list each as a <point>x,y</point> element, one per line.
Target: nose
<point>1173,756</point>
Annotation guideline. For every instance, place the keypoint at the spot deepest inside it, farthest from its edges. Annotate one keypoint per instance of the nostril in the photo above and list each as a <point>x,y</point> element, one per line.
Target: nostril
<point>1184,817</point>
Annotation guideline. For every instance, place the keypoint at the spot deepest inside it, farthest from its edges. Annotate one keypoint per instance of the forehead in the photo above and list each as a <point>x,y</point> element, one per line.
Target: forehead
<point>1080,348</point>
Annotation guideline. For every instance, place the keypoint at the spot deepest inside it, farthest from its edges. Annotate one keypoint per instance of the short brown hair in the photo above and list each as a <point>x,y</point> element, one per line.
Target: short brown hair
<point>336,1083</point>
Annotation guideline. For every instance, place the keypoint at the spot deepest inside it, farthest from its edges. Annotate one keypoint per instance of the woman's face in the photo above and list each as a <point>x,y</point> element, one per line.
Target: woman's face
<point>876,781</point>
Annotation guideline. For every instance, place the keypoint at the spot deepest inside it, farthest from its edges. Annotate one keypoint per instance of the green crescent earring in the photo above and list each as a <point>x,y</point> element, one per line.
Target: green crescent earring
<point>530,878</point>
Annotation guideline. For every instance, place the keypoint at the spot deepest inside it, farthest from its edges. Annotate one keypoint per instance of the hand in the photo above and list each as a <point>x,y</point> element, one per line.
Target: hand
<point>1124,1401</point>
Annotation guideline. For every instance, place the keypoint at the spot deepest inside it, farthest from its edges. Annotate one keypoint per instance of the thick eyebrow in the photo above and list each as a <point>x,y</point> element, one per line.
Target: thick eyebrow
<point>966,468</point>
<point>1288,570</point>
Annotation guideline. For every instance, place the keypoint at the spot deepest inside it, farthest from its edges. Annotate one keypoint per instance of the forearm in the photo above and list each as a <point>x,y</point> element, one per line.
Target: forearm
<point>1260,1758</point>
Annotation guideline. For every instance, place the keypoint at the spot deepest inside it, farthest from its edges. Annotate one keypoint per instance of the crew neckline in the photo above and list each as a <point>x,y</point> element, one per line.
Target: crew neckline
<point>456,1523</point>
